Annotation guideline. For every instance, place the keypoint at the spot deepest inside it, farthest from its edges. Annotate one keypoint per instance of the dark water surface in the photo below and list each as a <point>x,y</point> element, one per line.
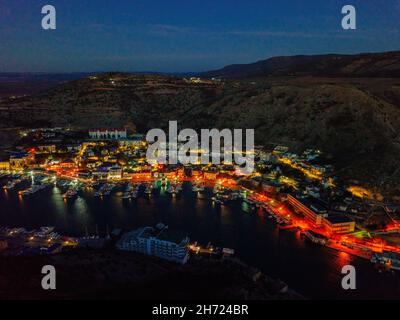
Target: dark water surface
<point>311,270</point>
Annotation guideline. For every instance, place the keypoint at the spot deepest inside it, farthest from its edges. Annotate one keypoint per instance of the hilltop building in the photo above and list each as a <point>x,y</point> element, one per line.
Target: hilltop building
<point>108,134</point>
<point>47,148</point>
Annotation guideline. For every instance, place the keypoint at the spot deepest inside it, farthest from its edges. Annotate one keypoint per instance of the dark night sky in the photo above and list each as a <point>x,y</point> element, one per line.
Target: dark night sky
<point>185,35</point>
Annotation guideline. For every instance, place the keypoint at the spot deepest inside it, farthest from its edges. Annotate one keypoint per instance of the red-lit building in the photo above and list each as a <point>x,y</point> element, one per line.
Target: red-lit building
<point>143,175</point>
<point>312,211</point>
<point>339,224</point>
<point>318,215</point>
<point>210,175</point>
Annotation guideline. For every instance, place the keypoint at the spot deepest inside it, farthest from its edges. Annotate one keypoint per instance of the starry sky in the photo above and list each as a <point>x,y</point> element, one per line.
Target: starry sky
<point>185,35</point>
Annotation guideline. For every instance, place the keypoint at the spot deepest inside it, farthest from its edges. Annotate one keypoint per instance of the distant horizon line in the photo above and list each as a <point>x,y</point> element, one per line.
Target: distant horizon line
<point>197,72</point>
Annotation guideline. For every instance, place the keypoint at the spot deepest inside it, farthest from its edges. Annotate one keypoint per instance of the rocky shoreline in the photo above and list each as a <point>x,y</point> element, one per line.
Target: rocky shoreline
<point>109,274</point>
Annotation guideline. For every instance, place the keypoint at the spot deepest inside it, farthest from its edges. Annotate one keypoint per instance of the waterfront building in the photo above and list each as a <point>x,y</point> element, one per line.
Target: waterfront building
<point>169,174</point>
<point>309,208</point>
<point>20,160</point>
<point>101,173</point>
<point>314,211</point>
<point>182,171</point>
<point>155,242</point>
<point>337,223</point>
<point>196,173</point>
<point>210,175</point>
<point>115,172</point>
<point>108,134</point>
<point>5,165</point>
<point>128,174</point>
<point>143,175</point>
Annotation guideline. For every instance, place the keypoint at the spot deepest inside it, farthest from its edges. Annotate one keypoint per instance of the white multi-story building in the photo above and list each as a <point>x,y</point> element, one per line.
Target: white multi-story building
<point>115,172</point>
<point>108,134</point>
<point>152,241</point>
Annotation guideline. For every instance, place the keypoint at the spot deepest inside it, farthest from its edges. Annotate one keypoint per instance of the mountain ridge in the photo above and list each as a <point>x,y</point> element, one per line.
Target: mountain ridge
<point>385,64</point>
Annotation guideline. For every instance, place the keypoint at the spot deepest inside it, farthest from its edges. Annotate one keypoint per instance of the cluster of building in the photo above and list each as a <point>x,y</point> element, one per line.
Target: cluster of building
<point>105,154</point>
<point>197,80</point>
<point>304,182</point>
<point>20,242</point>
<point>113,154</point>
<point>17,161</point>
<point>310,188</point>
<point>304,162</point>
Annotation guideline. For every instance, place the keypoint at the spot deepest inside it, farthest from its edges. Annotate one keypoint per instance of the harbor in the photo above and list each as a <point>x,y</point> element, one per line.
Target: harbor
<point>223,192</point>
<point>268,239</point>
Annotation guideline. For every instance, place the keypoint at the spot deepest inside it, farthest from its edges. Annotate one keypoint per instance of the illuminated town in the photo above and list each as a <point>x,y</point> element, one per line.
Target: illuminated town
<point>298,193</point>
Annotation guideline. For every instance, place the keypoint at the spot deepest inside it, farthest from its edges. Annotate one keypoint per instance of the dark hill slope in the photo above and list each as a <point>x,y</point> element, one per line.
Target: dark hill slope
<point>333,65</point>
<point>357,121</point>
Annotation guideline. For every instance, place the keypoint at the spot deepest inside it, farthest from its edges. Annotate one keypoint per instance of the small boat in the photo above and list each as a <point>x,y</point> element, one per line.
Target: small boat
<point>149,189</point>
<point>129,187</point>
<point>170,189</point>
<point>33,189</point>
<point>249,201</point>
<point>216,200</point>
<point>126,196</point>
<point>106,189</point>
<point>10,185</point>
<point>72,192</point>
